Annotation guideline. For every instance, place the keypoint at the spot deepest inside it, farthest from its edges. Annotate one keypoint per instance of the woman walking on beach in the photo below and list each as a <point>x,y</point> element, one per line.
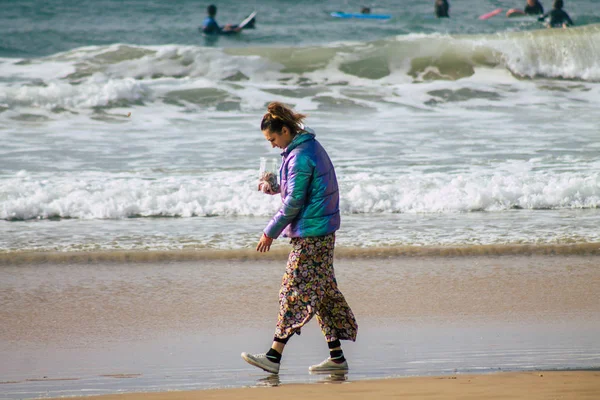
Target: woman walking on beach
<point>309,216</point>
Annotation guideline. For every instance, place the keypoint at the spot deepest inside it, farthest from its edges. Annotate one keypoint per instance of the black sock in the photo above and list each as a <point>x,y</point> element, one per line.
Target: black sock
<point>337,356</point>
<point>274,355</point>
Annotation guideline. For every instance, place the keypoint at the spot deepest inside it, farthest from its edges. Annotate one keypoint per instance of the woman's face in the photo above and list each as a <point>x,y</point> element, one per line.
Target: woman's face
<point>279,140</point>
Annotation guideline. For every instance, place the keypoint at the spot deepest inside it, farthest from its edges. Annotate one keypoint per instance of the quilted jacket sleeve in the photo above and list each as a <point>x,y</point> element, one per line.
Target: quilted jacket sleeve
<point>299,173</point>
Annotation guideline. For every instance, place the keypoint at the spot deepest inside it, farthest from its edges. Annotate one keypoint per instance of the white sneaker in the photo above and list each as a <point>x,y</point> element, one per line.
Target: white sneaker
<point>329,366</point>
<point>261,361</point>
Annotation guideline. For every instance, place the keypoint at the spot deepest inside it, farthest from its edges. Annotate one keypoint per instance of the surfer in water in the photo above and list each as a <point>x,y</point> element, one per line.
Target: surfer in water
<point>441,8</point>
<point>558,17</point>
<point>533,7</point>
<point>211,27</point>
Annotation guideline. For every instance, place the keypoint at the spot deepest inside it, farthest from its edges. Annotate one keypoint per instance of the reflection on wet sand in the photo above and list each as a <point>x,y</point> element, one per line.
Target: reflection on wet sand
<point>339,377</point>
<point>271,380</point>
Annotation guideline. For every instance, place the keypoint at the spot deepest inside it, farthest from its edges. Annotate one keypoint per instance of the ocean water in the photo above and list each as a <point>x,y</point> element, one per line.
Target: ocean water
<point>122,128</point>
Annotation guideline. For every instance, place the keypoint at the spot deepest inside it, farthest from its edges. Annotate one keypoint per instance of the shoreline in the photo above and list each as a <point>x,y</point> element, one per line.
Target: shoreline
<point>527,385</point>
<point>280,252</point>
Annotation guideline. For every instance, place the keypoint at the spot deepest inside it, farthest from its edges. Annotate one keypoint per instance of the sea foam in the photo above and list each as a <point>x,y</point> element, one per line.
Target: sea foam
<point>107,196</point>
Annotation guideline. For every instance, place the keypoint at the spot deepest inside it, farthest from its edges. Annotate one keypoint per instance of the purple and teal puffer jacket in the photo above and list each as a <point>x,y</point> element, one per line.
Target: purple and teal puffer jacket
<point>309,191</point>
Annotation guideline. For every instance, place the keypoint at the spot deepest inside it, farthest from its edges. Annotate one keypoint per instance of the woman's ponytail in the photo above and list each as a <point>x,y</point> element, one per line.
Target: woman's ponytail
<point>279,115</point>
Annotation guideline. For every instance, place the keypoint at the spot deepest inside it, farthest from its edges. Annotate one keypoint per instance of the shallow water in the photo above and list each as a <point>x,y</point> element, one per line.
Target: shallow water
<point>141,235</point>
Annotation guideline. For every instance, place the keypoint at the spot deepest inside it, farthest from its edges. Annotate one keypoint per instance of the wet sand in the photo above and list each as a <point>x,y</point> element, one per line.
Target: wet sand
<point>103,328</point>
<point>57,302</point>
<point>543,385</point>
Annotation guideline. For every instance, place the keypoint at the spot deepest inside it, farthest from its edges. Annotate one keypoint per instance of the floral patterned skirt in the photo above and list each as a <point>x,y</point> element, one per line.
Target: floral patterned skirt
<point>309,289</point>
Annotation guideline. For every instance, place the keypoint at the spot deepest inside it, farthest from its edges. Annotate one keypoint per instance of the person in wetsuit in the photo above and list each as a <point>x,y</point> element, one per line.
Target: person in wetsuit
<point>441,8</point>
<point>558,17</point>
<point>533,7</point>
<point>211,27</point>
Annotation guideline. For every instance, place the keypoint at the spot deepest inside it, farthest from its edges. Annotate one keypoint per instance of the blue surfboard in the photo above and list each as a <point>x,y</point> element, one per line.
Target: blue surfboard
<point>339,14</point>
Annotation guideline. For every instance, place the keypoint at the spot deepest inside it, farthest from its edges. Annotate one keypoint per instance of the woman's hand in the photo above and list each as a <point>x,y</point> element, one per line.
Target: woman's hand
<point>264,244</point>
<point>266,187</point>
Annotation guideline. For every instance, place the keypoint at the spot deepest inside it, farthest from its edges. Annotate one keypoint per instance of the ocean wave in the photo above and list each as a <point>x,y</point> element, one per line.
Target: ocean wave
<point>118,75</point>
<point>227,193</point>
<point>550,53</point>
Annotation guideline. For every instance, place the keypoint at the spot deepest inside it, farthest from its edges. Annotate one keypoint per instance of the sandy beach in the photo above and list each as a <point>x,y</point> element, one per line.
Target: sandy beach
<point>448,327</point>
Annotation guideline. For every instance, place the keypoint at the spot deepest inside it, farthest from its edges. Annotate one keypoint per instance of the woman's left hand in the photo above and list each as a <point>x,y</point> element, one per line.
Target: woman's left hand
<point>264,244</point>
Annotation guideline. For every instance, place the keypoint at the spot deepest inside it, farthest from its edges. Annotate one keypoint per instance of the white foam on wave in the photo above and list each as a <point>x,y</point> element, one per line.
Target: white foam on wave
<point>478,192</point>
<point>42,69</point>
<point>96,92</point>
<point>98,76</point>
<point>567,54</point>
<point>114,196</point>
<point>193,62</point>
<point>225,193</point>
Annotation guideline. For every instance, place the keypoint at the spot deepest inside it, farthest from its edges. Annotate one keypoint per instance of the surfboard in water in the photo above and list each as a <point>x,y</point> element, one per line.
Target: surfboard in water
<point>339,14</point>
<point>491,14</point>
<point>247,20</point>
<point>247,23</point>
<point>515,12</point>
